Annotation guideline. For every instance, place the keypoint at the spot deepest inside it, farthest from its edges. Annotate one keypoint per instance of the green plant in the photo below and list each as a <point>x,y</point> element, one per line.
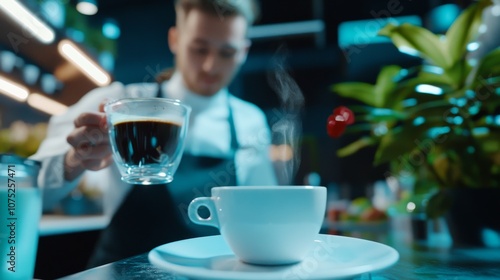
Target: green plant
<point>21,138</point>
<point>93,37</point>
<point>439,121</point>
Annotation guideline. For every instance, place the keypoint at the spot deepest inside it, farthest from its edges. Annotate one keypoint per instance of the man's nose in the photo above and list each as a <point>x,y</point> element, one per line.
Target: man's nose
<point>210,63</point>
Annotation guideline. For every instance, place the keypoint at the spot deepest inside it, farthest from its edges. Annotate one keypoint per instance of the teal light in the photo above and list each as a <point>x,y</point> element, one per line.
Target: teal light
<point>408,51</point>
<point>461,102</point>
<point>458,120</point>
<point>433,69</point>
<point>364,32</point>
<point>491,238</point>
<point>75,34</point>
<point>107,61</point>
<point>429,89</point>
<point>489,120</point>
<point>473,46</point>
<point>474,110</point>
<point>54,12</point>
<point>454,110</point>
<point>478,131</point>
<point>471,149</point>
<point>442,17</point>
<point>418,121</point>
<point>470,94</point>
<point>410,102</point>
<point>380,130</point>
<point>437,131</point>
<point>110,29</point>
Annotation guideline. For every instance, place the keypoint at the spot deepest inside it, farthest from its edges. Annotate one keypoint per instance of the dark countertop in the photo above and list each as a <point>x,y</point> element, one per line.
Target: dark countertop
<point>137,267</point>
<point>416,262</point>
<point>478,263</point>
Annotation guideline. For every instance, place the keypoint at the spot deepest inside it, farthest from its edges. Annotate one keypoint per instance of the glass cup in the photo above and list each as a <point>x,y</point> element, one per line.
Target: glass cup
<point>20,212</point>
<point>264,225</point>
<point>147,138</point>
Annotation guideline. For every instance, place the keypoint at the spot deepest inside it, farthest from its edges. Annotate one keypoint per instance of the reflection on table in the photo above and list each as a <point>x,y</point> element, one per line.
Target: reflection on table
<point>419,258</point>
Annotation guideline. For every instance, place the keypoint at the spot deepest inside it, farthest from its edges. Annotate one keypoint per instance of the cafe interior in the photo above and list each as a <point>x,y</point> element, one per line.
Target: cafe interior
<point>301,55</point>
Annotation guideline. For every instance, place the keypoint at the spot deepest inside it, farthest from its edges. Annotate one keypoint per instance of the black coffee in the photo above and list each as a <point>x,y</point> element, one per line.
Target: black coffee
<point>146,141</point>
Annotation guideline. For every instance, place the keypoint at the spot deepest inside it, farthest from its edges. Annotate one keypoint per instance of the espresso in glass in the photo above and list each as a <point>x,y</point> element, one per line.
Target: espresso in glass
<point>147,138</point>
<point>142,142</point>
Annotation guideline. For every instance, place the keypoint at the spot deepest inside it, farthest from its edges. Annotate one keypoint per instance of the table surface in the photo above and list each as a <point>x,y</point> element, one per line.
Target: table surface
<point>417,261</point>
<point>413,264</point>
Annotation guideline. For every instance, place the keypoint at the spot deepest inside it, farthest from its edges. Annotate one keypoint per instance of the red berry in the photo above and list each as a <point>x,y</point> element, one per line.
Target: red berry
<point>346,113</point>
<point>335,126</point>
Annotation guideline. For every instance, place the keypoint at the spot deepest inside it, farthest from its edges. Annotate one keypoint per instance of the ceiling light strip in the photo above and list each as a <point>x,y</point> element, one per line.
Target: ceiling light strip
<point>45,104</point>
<point>29,21</point>
<point>72,53</point>
<point>286,29</point>
<point>13,90</point>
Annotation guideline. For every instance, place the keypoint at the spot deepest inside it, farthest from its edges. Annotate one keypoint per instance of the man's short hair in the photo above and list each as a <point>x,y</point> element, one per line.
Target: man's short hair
<point>249,9</point>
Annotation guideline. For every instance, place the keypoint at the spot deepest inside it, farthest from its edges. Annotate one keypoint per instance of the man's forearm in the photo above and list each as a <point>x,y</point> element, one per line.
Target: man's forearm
<point>72,166</point>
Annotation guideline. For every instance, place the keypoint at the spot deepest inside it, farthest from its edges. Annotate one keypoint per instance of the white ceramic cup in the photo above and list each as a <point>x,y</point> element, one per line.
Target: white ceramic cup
<point>265,225</point>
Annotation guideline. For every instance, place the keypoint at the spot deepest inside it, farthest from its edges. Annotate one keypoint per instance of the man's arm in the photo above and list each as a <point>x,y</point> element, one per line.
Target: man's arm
<point>76,141</point>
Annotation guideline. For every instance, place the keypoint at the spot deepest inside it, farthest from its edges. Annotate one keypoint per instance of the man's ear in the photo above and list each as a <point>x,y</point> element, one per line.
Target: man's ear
<point>245,51</point>
<point>173,38</point>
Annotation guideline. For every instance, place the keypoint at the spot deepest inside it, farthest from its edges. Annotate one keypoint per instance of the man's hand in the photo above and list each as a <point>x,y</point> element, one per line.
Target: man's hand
<point>90,145</point>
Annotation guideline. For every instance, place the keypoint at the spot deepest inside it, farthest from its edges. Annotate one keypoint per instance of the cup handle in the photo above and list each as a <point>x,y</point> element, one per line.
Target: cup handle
<point>198,202</point>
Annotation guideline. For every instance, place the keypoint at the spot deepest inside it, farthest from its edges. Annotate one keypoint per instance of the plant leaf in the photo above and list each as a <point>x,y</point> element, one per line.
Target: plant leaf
<point>363,92</point>
<point>487,91</point>
<point>385,84</point>
<point>489,143</point>
<point>464,29</point>
<point>408,89</point>
<point>457,74</point>
<point>382,115</point>
<point>420,40</point>
<point>489,65</point>
<point>439,108</point>
<point>399,142</point>
<point>356,146</point>
<point>356,128</point>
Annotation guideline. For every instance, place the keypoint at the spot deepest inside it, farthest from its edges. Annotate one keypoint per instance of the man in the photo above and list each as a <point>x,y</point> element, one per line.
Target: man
<point>227,141</point>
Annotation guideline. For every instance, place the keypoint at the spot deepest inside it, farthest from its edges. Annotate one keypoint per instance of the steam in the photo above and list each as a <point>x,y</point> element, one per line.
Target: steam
<point>288,127</point>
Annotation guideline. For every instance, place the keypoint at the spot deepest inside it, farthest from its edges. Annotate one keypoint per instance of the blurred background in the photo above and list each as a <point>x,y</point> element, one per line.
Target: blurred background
<point>52,52</point>
<point>319,42</point>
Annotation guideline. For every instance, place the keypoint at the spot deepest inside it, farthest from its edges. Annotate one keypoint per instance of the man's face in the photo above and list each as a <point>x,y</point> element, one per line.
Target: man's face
<point>208,50</point>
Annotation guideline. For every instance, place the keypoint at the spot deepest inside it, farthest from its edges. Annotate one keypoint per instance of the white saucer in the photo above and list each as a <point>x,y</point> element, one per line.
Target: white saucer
<point>333,257</point>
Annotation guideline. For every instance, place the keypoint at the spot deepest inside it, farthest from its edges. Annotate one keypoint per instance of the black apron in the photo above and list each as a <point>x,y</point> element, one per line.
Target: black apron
<point>153,215</point>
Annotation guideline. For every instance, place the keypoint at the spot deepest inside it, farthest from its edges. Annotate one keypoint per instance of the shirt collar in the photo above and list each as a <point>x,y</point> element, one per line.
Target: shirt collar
<point>175,88</point>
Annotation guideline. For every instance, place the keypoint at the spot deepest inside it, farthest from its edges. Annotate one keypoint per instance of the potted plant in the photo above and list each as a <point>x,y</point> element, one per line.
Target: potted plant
<point>439,121</point>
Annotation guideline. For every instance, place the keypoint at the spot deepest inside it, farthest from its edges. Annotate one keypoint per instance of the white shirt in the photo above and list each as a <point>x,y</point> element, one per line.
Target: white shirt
<point>208,135</point>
